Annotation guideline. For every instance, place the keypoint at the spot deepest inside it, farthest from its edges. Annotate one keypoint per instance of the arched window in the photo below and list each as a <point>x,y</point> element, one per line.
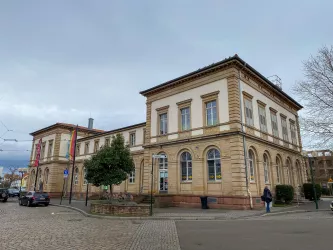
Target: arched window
<point>186,166</point>
<point>278,169</point>
<point>76,176</point>
<point>32,178</point>
<point>46,176</point>
<point>266,172</point>
<point>214,165</point>
<point>131,177</point>
<point>39,175</point>
<point>251,166</point>
<point>163,163</point>
<point>288,172</point>
<point>85,176</point>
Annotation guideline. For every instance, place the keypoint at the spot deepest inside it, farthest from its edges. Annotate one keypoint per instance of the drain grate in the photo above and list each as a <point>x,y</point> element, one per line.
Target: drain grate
<point>75,220</point>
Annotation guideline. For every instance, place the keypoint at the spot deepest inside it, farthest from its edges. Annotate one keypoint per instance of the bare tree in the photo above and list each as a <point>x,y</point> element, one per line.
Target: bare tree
<point>316,95</point>
<point>11,176</point>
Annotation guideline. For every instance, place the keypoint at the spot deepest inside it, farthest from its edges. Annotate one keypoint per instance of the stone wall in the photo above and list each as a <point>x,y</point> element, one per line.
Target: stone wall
<point>119,210</point>
<point>193,201</point>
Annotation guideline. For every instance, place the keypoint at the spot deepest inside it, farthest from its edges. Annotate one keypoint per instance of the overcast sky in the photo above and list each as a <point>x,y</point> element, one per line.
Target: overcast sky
<point>61,61</point>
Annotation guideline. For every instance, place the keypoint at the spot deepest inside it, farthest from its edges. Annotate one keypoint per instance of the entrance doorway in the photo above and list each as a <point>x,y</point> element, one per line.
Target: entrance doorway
<point>163,175</point>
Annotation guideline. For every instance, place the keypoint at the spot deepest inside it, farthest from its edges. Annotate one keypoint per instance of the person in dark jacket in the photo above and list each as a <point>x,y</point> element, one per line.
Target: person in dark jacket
<point>267,198</point>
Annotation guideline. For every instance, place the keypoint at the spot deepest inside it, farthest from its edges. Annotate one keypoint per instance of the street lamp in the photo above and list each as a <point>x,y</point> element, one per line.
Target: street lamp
<point>312,157</point>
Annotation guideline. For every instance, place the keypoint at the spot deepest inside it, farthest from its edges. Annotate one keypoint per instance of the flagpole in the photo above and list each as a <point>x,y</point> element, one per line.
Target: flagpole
<point>72,177</point>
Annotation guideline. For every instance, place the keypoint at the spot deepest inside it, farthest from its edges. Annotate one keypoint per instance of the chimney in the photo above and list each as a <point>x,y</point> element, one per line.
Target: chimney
<point>90,123</point>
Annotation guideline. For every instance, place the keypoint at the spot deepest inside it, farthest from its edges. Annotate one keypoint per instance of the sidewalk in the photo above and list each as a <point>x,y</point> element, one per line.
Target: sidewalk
<point>175,213</point>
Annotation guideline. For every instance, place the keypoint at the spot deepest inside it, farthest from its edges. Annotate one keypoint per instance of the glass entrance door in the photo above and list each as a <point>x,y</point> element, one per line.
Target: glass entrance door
<point>163,181</point>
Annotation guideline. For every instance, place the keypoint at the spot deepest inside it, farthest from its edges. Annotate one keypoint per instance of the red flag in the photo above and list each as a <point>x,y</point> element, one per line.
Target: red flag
<point>39,145</point>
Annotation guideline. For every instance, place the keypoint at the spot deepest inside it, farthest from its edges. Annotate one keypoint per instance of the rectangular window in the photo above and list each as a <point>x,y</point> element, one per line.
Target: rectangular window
<point>77,149</point>
<point>275,130</point>
<point>248,112</point>
<point>131,177</point>
<point>50,148</point>
<point>211,113</point>
<point>96,146</point>
<point>107,141</point>
<point>163,124</point>
<point>293,132</point>
<point>86,148</point>
<point>185,118</point>
<point>132,139</point>
<point>42,154</point>
<point>262,119</point>
<point>284,128</point>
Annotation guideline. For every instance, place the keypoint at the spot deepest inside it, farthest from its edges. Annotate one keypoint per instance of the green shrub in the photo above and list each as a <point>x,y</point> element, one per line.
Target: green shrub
<point>308,191</point>
<point>284,194</point>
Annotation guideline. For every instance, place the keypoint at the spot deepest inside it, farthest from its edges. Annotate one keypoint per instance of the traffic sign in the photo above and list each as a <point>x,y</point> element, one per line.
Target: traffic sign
<point>66,171</point>
<point>65,176</point>
<point>159,156</point>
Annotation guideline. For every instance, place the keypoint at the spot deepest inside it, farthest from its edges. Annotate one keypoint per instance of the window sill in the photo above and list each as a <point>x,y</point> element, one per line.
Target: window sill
<point>212,181</point>
<point>186,182</point>
<point>131,183</point>
<point>252,182</point>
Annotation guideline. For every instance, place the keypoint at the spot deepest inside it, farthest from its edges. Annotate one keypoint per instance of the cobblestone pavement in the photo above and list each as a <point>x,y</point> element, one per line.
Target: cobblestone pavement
<point>61,228</point>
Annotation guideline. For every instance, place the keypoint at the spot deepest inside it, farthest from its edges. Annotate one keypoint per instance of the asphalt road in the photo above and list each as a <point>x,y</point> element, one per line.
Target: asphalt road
<point>303,231</point>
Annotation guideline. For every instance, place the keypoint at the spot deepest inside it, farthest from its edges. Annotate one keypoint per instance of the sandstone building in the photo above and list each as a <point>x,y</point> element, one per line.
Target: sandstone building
<point>225,129</point>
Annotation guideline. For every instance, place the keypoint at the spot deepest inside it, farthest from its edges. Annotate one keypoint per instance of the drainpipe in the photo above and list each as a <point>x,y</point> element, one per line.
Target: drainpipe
<point>243,135</point>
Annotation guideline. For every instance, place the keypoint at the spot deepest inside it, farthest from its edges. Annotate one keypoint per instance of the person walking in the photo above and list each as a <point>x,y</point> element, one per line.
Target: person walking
<point>267,198</point>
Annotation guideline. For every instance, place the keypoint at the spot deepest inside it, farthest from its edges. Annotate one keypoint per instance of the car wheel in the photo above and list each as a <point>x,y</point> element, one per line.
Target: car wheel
<point>20,202</point>
<point>4,200</point>
<point>29,203</point>
<point>46,204</point>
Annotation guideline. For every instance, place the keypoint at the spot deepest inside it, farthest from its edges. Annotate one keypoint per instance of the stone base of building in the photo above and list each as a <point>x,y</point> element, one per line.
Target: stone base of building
<point>119,210</point>
<point>193,201</point>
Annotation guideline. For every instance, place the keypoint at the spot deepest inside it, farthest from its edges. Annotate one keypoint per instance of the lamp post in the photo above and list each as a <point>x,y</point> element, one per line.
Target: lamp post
<point>311,160</point>
<point>21,172</point>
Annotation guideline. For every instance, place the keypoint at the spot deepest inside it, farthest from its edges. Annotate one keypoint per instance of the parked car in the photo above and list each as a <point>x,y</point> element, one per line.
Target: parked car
<point>4,194</point>
<point>331,205</point>
<point>13,192</point>
<point>34,198</point>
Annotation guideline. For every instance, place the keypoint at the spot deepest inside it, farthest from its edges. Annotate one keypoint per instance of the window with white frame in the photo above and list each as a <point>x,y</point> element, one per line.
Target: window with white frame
<point>274,122</point>
<point>131,177</point>
<point>278,170</point>
<point>163,163</point>
<point>186,166</point>
<point>211,113</point>
<point>185,118</point>
<point>49,149</point>
<point>284,128</point>
<point>251,166</point>
<point>132,139</point>
<point>214,165</point>
<point>262,118</point>
<point>163,124</point>
<point>248,112</point>
<point>266,169</point>
<point>76,176</point>
<point>293,132</point>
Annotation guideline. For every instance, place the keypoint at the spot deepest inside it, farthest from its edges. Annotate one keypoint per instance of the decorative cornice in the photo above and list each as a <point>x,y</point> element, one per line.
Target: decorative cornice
<point>188,101</point>
<point>163,108</point>
<point>215,93</point>
<point>282,115</point>
<point>261,103</point>
<point>247,95</point>
<point>273,110</point>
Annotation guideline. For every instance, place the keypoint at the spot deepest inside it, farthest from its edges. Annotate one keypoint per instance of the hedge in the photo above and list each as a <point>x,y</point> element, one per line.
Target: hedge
<point>308,191</point>
<point>284,194</point>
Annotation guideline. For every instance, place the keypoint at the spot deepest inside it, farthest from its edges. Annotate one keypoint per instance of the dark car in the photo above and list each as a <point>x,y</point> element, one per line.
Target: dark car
<point>4,194</point>
<point>34,198</point>
<point>13,192</point>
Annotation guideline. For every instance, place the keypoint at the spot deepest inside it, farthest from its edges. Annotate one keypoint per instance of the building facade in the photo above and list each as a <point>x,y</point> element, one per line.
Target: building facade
<point>226,132</point>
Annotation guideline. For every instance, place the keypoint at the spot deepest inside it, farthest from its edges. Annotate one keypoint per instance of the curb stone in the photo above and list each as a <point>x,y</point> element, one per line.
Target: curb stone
<point>203,218</point>
<point>294,212</point>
